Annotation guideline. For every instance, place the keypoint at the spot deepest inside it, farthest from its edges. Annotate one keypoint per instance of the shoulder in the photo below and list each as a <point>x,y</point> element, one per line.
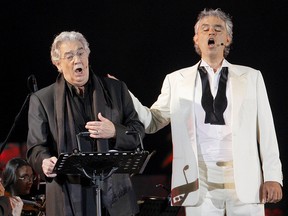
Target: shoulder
<point>110,83</point>
<point>186,70</point>
<point>45,95</point>
<point>181,75</point>
<point>242,69</point>
<point>45,91</point>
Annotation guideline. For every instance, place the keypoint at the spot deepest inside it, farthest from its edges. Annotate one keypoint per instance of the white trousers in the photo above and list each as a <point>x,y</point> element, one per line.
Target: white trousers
<point>218,195</point>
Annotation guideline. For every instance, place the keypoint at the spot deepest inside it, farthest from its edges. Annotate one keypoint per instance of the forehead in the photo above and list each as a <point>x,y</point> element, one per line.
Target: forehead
<point>211,20</point>
<point>24,170</point>
<point>68,46</point>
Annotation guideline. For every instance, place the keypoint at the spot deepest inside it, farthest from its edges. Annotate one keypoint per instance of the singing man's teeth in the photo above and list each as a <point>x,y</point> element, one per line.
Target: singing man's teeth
<point>211,41</point>
<point>78,70</point>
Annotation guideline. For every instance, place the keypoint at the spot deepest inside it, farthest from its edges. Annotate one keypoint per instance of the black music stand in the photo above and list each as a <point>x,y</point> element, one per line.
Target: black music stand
<point>98,166</point>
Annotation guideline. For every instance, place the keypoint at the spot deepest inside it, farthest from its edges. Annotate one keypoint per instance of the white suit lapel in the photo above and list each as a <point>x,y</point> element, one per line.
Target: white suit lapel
<point>238,82</point>
<point>187,88</point>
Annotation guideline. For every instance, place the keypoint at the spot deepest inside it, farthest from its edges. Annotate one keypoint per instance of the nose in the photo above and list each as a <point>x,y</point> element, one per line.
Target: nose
<point>30,181</point>
<point>76,58</point>
<point>212,31</point>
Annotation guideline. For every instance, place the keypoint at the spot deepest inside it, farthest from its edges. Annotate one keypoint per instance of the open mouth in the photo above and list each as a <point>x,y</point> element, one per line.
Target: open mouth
<point>78,69</point>
<point>211,42</point>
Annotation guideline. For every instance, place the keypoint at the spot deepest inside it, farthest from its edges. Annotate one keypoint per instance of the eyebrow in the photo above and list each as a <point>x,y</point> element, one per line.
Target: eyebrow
<point>219,26</point>
<point>70,52</point>
<point>216,25</point>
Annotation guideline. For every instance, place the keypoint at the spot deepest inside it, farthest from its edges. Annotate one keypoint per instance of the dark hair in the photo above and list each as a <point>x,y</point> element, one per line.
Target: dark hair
<point>9,174</point>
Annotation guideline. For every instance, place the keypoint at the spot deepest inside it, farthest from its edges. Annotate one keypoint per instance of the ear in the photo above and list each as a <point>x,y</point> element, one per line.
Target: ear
<point>195,39</point>
<point>228,41</point>
<point>58,65</point>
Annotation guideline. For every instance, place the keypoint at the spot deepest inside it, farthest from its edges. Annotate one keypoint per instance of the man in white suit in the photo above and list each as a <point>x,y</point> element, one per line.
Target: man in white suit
<point>225,151</point>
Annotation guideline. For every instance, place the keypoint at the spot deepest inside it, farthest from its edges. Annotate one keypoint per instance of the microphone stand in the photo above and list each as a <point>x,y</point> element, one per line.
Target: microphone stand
<point>132,132</point>
<point>19,114</point>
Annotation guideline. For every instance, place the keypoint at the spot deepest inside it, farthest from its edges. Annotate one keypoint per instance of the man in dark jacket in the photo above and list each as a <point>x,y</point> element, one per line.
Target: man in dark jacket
<point>77,102</point>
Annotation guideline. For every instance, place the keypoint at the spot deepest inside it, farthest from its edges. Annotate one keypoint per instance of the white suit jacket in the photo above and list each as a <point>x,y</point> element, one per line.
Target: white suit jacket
<point>254,142</point>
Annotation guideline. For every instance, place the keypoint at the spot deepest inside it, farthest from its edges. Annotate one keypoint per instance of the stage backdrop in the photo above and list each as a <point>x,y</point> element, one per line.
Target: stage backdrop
<point>139,42</point>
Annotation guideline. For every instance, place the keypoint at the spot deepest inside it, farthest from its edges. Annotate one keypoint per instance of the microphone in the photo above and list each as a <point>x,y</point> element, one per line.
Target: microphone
<point>34,82</point>
<point>221,44</point>
<point>132,132</point>
<point>30,79</point>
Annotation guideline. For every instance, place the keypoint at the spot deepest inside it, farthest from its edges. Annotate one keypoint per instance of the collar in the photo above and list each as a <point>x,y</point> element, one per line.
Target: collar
<point>210,69</point>
<point>73,91</point>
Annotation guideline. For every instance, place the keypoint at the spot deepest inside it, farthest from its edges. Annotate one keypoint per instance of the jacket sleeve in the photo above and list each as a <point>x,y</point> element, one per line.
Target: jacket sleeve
<point>37,138</point>
<point>158,115</point>
<point>268,145</point>
<point>128,119</point>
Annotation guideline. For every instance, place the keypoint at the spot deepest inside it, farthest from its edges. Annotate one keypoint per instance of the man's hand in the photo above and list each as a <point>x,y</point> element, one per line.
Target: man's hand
<point>271,192</point>
<point>111,77</point>
<point>103,128</point>
<point>48,165</point>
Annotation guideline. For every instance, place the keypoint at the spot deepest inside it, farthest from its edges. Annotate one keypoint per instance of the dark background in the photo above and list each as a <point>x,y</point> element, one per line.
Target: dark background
<point>139,42</point>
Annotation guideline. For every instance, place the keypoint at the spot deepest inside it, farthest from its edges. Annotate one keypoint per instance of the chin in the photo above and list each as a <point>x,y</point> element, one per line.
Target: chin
<point>27,191</point>
<point>80,82</point>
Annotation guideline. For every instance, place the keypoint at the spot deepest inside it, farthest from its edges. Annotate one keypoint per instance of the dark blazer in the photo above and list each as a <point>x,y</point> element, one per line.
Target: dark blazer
<point>47,119</point>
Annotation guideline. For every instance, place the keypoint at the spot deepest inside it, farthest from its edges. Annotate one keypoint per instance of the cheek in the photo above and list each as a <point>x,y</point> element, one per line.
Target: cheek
<point>19,186</point>
<point>86,63</point>
<point>65,67</point>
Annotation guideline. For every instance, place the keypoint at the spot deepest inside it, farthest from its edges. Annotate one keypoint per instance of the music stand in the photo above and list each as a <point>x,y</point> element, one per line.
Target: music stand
<point>94,165</point>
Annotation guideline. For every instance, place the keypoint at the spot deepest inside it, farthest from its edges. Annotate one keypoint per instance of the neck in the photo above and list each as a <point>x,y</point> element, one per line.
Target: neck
<point>80,90</point>
<point>214,63</point>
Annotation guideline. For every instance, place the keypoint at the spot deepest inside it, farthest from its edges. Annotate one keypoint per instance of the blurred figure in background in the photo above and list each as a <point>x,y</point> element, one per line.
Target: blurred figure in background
<point>18,178</point>
<point>9,205</point>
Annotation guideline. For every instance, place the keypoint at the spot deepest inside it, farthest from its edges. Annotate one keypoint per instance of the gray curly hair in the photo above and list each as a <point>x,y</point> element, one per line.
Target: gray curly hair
<point>223,16</point>
<point>67,36</point>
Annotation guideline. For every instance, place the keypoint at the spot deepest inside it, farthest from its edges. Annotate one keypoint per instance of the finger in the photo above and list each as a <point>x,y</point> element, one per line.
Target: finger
<point>277,197</point>
<point>17,198</point>
<point>101,118</point>
<point>111,76</point>
<point>91,123</point>
<point>53,160</point>
<point>52,175</point>
<point>274,197</point>
<point>264,197</point>
<point>94,134</point>
<point>271,195</point>
<point>94,131</point>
